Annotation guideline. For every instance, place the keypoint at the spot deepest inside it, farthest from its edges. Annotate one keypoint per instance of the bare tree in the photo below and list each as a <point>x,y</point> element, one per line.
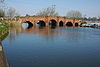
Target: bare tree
<point>74,14</point>
<point>50,11</point>
<point>3,8</point>
<point>11,12</point>
<point>2,13</point>
<point>2,3</point>
<point>17,14</point>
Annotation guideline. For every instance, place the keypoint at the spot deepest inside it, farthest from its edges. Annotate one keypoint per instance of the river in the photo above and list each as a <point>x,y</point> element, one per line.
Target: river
<point>53,47</point>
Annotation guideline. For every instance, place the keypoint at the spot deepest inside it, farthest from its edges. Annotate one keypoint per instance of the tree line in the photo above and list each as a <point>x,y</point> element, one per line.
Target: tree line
<point>51,11</point>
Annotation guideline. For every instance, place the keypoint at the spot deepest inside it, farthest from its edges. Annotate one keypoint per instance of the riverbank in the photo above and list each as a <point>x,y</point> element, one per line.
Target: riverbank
<point>3,30</point>
<point>93,24</point>
<point>3,34</point>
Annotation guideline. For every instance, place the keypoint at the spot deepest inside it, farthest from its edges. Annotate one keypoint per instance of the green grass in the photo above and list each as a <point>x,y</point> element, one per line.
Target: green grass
<point>3,27</point>
<point>3,30</point>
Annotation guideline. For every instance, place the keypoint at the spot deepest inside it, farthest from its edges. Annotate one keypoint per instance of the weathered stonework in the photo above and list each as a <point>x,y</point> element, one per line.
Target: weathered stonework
<point>34,20</point>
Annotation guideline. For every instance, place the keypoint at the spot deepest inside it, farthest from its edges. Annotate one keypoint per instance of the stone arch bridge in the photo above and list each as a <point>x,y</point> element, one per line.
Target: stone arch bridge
<point>50,20</point>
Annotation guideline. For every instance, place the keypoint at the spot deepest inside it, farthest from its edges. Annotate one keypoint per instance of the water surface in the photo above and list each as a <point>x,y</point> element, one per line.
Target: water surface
<point>57,47</point>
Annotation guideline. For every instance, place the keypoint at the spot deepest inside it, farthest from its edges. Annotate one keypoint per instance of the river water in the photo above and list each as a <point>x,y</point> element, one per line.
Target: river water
<point>53,47</point>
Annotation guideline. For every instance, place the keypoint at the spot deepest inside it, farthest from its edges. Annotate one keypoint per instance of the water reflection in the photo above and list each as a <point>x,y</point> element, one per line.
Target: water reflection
<point>25,25</point>
<point>46,32</point>
<point>3,60</point>
<point>69,34</point>
<point>53,47</point>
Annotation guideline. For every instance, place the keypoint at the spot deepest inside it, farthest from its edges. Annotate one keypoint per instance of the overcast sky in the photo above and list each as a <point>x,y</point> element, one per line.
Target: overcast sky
<point>90,8</point>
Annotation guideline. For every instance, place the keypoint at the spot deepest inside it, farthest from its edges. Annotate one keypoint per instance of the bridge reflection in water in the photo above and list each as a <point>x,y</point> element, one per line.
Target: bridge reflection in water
<point>47,32</point>
<point>53,47</point>
<point>3,60</point>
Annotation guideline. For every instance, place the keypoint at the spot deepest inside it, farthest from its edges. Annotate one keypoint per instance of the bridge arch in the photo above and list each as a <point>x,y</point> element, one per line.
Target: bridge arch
<point>41,23</point>
<point>30,24</point>
<point>61,23</point>
<point>69,23</point>
<point>76,24</point>
<point>52,22</point>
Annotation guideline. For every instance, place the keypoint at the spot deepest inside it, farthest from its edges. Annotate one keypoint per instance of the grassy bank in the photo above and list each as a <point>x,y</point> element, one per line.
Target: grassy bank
<point>3,30</point>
